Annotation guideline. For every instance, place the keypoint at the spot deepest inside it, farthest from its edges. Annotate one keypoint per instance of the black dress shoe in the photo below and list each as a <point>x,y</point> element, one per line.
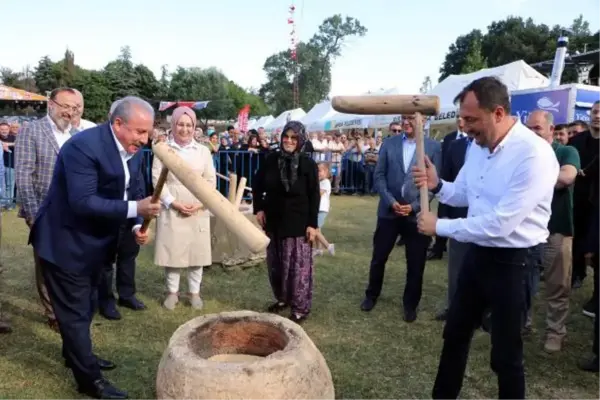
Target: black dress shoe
<point>434,255</point>
<point>298,318</point>
<point>277,307</point>
<point>442,315</point>
<point>368,304</point>
<point>110,312</point>
<point>132,303</point>
<point>104,365</point>
<point>410,315</point>
<point>590,365</point>
<point>102,389</point>
<point>400,242</point>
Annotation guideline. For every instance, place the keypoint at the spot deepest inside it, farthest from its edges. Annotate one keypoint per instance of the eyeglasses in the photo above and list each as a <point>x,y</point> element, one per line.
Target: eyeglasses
<point>66,107</point>
<point>396,130</point>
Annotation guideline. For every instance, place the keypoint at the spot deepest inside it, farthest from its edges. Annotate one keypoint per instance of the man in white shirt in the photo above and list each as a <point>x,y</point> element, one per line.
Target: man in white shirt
<point>507,182</point>
<point>79,124</point>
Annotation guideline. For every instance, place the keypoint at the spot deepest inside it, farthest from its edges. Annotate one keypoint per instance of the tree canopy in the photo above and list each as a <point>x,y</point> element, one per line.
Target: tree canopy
<point>314,60</point>
<point>121,77</point>
<point>514,39</point>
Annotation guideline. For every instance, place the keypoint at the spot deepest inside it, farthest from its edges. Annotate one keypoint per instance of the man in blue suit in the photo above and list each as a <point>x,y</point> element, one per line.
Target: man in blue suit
<point>97,185</point>
<point>452,162</point>
<point>396,215</point>
<point>436,252</point>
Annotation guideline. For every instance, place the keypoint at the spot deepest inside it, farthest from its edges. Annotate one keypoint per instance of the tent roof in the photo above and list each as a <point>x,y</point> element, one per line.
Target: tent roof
<point>10,93</point>
<point>314,120</point>
<point>517,75</point>
<point>279,122</point>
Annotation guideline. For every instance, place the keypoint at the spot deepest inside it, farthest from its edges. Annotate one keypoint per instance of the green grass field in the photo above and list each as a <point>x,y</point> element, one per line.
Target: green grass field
<point>371,355</point>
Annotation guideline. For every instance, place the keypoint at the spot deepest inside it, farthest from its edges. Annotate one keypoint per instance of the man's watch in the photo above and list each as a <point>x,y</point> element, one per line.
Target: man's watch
<point>438,187</point>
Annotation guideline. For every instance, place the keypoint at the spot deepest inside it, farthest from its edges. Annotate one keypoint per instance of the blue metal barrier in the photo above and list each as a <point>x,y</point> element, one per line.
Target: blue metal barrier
<point>348,176</point>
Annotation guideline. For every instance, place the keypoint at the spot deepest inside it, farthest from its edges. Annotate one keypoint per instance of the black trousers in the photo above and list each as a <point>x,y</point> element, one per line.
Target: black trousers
<point>595,299</point>
<point>125,255</point>
<point>490,278</point>
<point>72,294</point>
<point>581,223</point>
<point>415,244</point>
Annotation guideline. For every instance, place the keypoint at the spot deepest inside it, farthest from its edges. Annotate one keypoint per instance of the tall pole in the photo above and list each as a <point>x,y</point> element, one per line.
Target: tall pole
<point>294,55</point>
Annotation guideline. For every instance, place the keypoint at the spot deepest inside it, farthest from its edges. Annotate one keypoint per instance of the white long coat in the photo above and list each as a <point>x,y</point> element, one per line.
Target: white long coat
<point>183,242</point>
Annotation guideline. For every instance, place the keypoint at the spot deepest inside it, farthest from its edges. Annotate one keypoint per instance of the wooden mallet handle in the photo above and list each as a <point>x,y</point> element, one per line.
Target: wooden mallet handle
<point>387,104</point>
<point>423,191</point>
<point>160,183</point>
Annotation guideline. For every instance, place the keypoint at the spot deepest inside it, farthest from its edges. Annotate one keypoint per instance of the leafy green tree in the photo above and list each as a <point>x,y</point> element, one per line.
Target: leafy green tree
<point>515,38</point>
<point>474,61</point>
<point>313,66</point>
<point>121,76</point>
<point>11,78</point>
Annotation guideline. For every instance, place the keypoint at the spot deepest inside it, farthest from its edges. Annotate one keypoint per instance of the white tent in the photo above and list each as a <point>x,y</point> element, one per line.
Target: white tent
<point>283,118</point>
<point>262,121</point>
<point>315,119</point>
<point>517,75</point>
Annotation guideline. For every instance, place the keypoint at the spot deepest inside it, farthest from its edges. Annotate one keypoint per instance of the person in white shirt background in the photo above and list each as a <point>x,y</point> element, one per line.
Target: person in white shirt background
<point>324,206</point>
<point>79,124</point>
<point>507,183</point>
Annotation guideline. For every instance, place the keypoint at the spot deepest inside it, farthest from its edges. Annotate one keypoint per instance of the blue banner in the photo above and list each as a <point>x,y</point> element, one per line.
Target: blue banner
<point>554,101</point>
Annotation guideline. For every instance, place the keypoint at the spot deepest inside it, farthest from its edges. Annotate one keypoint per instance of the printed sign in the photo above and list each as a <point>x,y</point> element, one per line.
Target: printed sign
<point>553,101</point>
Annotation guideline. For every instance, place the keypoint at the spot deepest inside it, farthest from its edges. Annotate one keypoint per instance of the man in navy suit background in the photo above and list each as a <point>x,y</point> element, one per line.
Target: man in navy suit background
<point>399,204</point>
<point>452,162</point>
<point>436,252</point>
<point>97,186</point>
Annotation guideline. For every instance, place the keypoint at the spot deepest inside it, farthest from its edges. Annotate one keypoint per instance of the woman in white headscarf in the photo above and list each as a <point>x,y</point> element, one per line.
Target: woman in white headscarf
<point>183,238</point>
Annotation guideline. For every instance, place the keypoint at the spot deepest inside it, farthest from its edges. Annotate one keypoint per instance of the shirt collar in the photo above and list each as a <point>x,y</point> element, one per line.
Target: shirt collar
<point>410,140</point>
<point>55,127</point>
<point>505,140</point>
<point>120,147</point>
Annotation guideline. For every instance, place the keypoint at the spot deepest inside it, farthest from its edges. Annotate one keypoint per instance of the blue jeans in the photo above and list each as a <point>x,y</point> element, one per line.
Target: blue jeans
<point>9,184</point>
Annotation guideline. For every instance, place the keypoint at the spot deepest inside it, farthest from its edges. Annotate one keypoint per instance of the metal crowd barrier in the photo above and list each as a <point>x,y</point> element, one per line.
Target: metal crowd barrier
<point>348,175</point>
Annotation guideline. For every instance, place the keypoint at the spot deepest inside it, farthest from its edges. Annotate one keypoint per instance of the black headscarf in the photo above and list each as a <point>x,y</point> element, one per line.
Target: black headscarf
<point>288,162</point>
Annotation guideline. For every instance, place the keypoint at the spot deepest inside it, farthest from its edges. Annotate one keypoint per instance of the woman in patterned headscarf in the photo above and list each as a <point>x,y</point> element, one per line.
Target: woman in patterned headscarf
<point>286,204</point>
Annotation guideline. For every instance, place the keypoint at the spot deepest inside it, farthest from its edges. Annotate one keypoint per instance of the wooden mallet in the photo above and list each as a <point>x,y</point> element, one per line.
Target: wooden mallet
<point>395,104</point>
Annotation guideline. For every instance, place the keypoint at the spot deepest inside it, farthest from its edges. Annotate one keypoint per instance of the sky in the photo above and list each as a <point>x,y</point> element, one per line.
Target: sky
<point>406,40</point>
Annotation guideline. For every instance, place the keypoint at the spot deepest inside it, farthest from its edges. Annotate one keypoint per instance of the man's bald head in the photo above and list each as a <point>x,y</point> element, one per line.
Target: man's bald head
<point>542,123</point>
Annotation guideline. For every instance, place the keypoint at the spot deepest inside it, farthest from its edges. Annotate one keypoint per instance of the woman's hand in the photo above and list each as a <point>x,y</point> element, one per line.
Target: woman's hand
<point>311,234</point>
<point>184,210</point>
<point>261,219</point>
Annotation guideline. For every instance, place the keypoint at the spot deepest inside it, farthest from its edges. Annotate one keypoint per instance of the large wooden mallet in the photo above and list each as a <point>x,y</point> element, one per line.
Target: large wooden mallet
<point>215,202</point>
<point>395,104</point>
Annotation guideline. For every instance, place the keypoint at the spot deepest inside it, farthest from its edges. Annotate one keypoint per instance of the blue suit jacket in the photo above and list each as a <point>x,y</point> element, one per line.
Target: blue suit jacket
<point>390,176</point>
<point>78,222</point>
<point>453,161</point>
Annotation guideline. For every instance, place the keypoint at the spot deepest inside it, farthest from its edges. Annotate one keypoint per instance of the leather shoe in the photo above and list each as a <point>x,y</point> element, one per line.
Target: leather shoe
<point>410,315</point>
<point>589,365</point>
<point>433,255</point>
<point>5,327</point>
<point>132,303</point>
<point>368,304</point>
<point>110,312</point>
<point>53,324</point>
<point>102,389</point>
<point>104,365</point>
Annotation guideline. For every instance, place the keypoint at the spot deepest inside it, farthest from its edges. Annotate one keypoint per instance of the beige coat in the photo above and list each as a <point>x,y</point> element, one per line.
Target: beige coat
<point>184,242</point>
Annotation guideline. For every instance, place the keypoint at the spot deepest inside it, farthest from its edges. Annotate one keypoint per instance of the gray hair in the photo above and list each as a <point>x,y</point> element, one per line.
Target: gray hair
<point>124,108</point>
<point>113,106</point>
<point>547,116</point>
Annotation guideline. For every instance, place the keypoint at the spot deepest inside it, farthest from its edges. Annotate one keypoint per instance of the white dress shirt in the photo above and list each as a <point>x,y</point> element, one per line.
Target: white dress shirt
<point>409,146</point>
<point>60,136</point>
<point>508,193</point>
<point>131,205</point>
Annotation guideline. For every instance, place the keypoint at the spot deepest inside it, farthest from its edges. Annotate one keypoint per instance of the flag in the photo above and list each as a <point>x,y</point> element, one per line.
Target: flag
<point>242,120</point>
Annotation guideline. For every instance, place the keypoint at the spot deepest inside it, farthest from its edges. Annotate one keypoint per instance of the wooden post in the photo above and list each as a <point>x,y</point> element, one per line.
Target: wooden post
<point>232,188</point>
<point>240,192</point>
